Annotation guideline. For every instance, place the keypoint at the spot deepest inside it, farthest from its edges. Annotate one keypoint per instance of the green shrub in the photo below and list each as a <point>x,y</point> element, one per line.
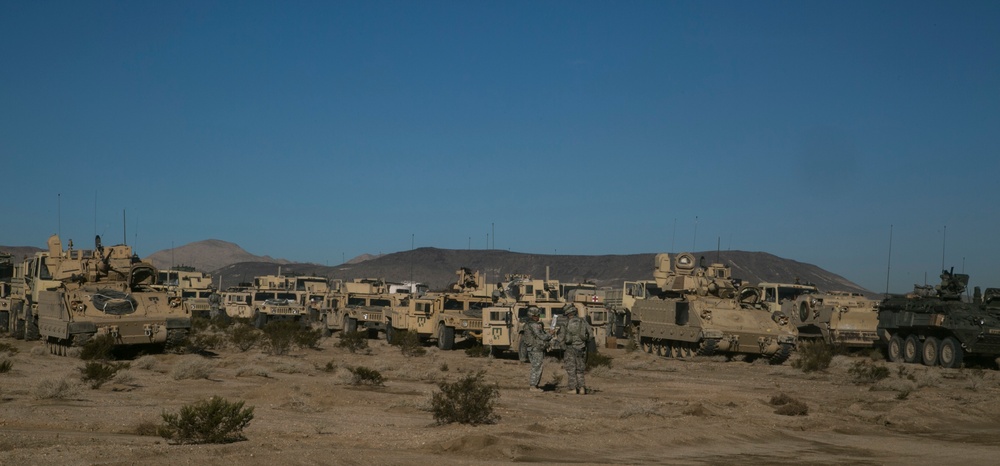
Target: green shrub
<point>366,376</point>
<point>308,338</point>
<point>595,359</point>
<point>443,367</point>
<point>631,345</point>
<point>214,420</point>
<point>7,347</point>
<point>354,341</point>
<point>6,365</point>
<point>468,401</point>
<point>813,356</point>
<point>98,348</point>
<point>280,335</point>
<point>477,351</point>
<point>865,371</point>
<point>245,337</point>
<point>97,373</point>
<point>330,367</point>
<point>199,324</point>
<point>204,342</point>
<point>409,343</point>
<point>788,406</point>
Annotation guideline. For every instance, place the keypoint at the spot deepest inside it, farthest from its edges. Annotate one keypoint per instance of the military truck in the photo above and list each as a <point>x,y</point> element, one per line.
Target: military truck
<point>837,318</point>
<point>67,297</point>
<point>314,294</point>
<point>237,301</point>
<point>187,288</point>
<point>444,315</point>
<point>358,304</point>
<point>934,326</point>
<point>696,310</point>
<point>503,323</point>
<point>274,299</point>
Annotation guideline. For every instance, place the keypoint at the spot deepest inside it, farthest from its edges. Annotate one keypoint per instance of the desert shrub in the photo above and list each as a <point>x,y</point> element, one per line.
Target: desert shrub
<point>146,362</point>
<point>97,373</point>
<point>330,367</point>
<point>354,341</point>
<point>56,389</point>
<point>245,337</point>
<point>199,324</point>
<point>280,335</point>
<point>5,365</point>
<point>8,348</point>
<point>443,367</point>
<point>813,356</point>
<point>477,351</point>
<point>308,338</point>
<point>469,400</point>
<point>192,368</point>
<point>145,428</point>
<point>366,376</point>
<point>252,370</point>
<point>631,345</point>
<point>788,406</point>
<point>214,420</point>
<point>98,348</point>
<point>201,342</point>
<point>865,371</point>
<point>595,359</point>
<point>409,343</point>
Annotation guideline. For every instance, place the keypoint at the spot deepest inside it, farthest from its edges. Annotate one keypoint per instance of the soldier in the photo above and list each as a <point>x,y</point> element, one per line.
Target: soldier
<point>214,302</point>
<point>535,340</point>
<point>575,335</point>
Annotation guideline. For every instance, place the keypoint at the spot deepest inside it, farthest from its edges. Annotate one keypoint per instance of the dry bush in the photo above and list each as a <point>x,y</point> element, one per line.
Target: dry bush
<point>39,351</point>
<point>467,401</point>
<point>145,428</point>
<point>354,341</point>
<point>366,376</point>
<point>291,367</point>
<point>97,373</point>
<point>214,420</point>
<point>644,409</point>
<point>193,367</point>
<point>98,348</point>
<point>813,356</point>
<point>595,359</point>
<point>146,362</point>
<point>252,370</point>
<point>8,348</point>
<point>245,337</point>
<point>865,371</point>
<point>477,351</point>
<point>56,389</point>
<point>5,365</point>
<point>788,406</point>
<point>409,343</point>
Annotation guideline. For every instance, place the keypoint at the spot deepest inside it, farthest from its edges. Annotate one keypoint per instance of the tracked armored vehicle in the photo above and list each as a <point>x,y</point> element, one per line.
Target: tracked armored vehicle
<point>67,297</point>
<point>697,310</point>
<point>934,326</point>
<point>837,318</point>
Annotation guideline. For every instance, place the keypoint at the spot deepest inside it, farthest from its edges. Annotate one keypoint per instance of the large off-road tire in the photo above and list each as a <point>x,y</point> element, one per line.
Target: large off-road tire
<point>951,353</point>
<point>930,351</point>
<point>30,324</point>
<point>496,351</point>
<point>325,328</point>
<point>4,321</point>
<point>390,333</point>
<point>350,325</point>
<point>911,349</point>
<point>780,356</point>
<point>895,348</point>
<point>446,337</point>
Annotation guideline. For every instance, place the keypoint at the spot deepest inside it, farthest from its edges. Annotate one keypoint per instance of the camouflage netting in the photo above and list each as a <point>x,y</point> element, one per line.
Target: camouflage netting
<point>114,302</point>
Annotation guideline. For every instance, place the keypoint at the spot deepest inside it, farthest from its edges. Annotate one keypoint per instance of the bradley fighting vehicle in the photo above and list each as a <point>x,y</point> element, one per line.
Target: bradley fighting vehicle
<point>934,326</point>
<point>69,296</point>
<point>837,318</point>
<point>697,310</point>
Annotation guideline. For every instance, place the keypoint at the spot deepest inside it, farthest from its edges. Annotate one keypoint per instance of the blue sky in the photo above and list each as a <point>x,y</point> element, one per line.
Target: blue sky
<point>315,131</point>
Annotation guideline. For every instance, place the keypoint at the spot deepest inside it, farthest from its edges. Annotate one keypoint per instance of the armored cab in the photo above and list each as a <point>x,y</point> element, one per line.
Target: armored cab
<point>358,304</point>
<point>697,310</point>
<point>443,316</point>
<point>274,299</point>
<point>68,296</point>
<point>934,326</point>
<point>837,317</point>
<point>187,288</point>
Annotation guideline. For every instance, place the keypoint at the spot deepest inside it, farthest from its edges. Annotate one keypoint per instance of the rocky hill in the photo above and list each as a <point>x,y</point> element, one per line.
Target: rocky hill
<point>207,255</point>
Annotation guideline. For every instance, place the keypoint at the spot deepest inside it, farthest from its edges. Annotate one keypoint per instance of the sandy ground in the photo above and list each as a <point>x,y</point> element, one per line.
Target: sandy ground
<point>644,409</point>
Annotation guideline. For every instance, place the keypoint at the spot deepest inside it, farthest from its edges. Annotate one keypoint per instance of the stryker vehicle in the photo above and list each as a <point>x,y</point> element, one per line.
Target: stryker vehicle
<point>442,316</point>
<point>69,296</point>
<point>503,323</point>
<point>837,317</point>
<point>273,299</point>
<point>697,310</point>
<point>934,326</point>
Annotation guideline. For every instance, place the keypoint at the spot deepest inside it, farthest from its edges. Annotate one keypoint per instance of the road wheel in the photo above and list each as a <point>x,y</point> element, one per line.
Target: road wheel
<point>895,348</point>
<point>708,346</point>
<point>951,353</point>
<point>930,351</point>
<point>446,337</point>
<point>911,349</point>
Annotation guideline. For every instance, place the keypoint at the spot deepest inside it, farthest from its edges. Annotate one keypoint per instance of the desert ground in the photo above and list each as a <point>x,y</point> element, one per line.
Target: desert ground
<point>642,409</point>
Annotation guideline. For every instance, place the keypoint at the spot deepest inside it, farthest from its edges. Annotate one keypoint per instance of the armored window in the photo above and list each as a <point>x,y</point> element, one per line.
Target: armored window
<point>381,302</point>
<point>453,305</point>
<point>43,270</point>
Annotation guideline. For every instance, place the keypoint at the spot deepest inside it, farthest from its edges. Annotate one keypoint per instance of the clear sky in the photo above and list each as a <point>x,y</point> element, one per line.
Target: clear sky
<point>315,131</point>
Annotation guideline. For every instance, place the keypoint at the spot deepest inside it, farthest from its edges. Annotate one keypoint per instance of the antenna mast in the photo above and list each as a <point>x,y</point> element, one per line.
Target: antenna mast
<point>124,231</point>
<point>888,264</point>
<point>944,238</point>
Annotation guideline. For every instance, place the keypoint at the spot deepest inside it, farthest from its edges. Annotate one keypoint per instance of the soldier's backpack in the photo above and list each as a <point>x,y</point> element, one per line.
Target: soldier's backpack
<point>576,331</point>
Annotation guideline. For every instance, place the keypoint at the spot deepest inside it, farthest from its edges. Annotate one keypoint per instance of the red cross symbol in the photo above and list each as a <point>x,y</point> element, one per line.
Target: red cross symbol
<point>594,298</point>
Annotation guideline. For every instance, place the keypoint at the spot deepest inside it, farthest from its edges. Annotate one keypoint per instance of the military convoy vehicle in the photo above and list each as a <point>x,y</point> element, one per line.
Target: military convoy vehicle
<point>503,323</point>
<point>934,326</point>
<point>6,274</point>
<point>69,296</point>
<point>444,315</point>
<point>313,294</point>
<point>837,318</point>
<point>274,299</point>
<point>187,288</point>
<point>358,305</point>
<point>237,301</point>
<point>590,307</point>
<point>696,310</point>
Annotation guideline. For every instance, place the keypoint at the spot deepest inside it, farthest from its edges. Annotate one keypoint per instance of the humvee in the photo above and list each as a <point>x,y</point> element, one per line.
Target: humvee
<point>442,316</point>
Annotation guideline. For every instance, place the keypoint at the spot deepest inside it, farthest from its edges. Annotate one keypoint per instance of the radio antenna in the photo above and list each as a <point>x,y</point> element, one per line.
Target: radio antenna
<point>944,238</point>
<point>888,265</point>
<point>124,231</point>
<point>59,214</point>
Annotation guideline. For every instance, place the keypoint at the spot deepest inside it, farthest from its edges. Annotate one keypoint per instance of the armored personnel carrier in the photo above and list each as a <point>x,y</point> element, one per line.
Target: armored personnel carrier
<point>934,326</point>
<point>837,317</point>
<point>69,296</point>
<point>697,310</point>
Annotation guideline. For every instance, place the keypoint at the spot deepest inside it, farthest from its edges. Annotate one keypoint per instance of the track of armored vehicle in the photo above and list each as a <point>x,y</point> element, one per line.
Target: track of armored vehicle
<point>692,310</point>
<point>934,326</point>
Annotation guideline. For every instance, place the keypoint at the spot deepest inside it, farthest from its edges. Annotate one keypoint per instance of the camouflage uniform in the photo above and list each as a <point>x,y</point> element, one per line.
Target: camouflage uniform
<point>575,334</point>
<point>535,340</point>
<point>214,302</point>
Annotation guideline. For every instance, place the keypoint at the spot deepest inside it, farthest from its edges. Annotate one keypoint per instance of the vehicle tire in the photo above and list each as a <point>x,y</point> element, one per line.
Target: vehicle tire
<point>30,325</point>
<point>325,327</point>
<point>930,351</point>
<point>951,353</point>
<point>780,356</point>
<point>390,333</point>
<point>804,311</point>
<point>446,337</point>
<point>17,315</point>
<point>895,348</point>
<point>350,325</point>
<point>4,321</point>
<point>495,351</point>
<point>259,319</point>
<point>911,349</point>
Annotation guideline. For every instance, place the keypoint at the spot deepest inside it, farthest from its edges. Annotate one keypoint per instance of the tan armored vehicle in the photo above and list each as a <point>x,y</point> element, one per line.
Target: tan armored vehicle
<point>69,296</point>
<point>503,323</point>
<point>442,316</point>
<point>837,317</point>
<point>697,310</point>
<point>590,305</point>
<point>6,274</point>
<point>274,299</point>
<point>314,294</point>
<point>187,288</point>
<point>237,301</point>
<point>358,304</point>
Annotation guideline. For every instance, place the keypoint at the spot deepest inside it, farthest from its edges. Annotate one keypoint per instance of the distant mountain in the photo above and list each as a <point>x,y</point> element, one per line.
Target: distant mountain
<point>206,256</point>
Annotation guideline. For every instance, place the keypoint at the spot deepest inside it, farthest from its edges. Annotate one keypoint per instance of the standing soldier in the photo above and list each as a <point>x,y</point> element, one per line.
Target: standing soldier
<point>535,340</point>
<point>214,303</point>
<point>575,335</point>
